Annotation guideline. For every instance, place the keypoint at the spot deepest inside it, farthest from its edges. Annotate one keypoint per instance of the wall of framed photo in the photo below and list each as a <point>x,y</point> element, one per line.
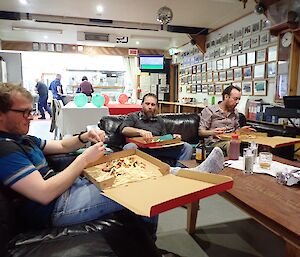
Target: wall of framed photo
<point>243,53</point>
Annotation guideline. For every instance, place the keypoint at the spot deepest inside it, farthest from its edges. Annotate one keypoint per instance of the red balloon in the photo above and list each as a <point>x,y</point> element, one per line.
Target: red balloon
<point>123,98</point>
<point>106,99</point>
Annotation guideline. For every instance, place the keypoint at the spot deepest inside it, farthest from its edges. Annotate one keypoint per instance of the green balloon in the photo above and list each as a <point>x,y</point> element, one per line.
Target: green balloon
<point>80,100</point>
<point>98,100</point>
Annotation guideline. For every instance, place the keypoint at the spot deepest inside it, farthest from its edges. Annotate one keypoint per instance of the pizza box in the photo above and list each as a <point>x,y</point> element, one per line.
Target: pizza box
<point>140,142</point>
<point>263,139</point>
<point>150,197</point>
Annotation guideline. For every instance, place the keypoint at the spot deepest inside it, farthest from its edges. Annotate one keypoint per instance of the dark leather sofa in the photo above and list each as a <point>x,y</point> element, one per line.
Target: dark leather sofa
<point>185,124</point>
<point>121,234</point>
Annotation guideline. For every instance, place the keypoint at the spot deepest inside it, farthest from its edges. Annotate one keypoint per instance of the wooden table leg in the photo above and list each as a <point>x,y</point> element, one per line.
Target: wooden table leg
<point>192,212</point>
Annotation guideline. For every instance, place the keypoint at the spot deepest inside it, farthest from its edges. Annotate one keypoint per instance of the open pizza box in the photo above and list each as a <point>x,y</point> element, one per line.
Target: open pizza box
<point>157,194</point>
<point>263,139</point>
<point>156,143</point>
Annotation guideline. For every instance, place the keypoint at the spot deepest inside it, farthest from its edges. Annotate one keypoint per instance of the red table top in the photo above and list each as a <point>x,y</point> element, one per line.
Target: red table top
<point>115,109</point>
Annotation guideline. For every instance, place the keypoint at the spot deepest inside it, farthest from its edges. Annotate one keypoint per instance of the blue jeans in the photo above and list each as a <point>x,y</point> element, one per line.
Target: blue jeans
<point>181,152</point>
<point>43,105</point>
<point>83,202</point>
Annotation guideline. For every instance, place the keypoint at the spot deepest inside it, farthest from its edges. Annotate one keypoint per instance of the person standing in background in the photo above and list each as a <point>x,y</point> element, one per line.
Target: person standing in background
<point>86,87</point>
<point>43,106</point>
<point>56,88</point>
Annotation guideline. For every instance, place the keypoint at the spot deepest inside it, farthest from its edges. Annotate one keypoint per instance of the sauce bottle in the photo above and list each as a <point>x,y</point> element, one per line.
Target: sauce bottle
<point>234,147</point>
<point>200,152</point>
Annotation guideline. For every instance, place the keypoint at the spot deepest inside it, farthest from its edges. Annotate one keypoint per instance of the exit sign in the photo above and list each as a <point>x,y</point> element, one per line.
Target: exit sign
<point>133,51</point>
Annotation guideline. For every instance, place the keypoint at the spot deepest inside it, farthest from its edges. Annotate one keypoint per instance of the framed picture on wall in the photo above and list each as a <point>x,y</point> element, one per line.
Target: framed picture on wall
<point>209,65</point>
<point>35,46</point>
<point>216,76</point>
<point>43,46</point>
<point>247,88</point>
<point>236,47</point>
<point>226,63</point>
<point>237,74</point>
<point>225,38</point>
<point>255,41</point>
<point>260,88</point>
<point>233,61</point>
<point>220,64</point>
<point>194,88</point>
<point>259,71</point>
<point>199,88</point>
<point>241,60</point>
<point>209,76</point>
<point>264,38</point>
<point>265,24</point>
<point>58,47</point>
<point>217,52</point>
<point>203,69</point>
<point>198,77</point>
<point>50,47</point>
<point>261,56</point>
<point>271,69</point>
<point>222,75</point>
<point>194,69</point>
<point>218,89</point>
<point>231,36</point>
<point>204,88</point>
<point>211,89</point>
<point>247,31</point>
<point>247,72</point>
<point>238,34</point>
<point>194,78</point>
<point>272,53</point>
<point>229,74</point>
<point>222,50</point>
<point>250,58</point>
<point>256,27</point>
<point>246,43</point>
<point>204,77</point>
<point>228,49</point>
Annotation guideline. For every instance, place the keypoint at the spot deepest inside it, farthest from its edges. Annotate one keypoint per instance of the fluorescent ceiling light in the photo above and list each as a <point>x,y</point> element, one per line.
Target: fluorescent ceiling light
<point>23,2</point>
<point>99,9</point>
<point>31,29</point>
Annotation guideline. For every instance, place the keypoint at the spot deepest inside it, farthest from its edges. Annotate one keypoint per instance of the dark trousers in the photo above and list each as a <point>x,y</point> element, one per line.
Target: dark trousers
<point>43,105</point>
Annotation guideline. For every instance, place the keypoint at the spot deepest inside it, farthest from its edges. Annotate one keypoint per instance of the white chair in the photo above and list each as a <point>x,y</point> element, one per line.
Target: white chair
<point>56,108</point>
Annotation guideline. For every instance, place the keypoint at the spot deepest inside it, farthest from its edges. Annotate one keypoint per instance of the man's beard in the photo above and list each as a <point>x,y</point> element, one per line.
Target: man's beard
<point>149,114</point>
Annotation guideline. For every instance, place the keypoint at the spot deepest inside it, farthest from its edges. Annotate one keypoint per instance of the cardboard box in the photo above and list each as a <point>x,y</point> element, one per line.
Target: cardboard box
<point>140,142</point>
<point>152,196</point>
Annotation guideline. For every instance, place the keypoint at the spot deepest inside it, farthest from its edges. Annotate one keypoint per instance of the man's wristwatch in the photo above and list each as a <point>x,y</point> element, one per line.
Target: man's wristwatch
<point>79,137</point>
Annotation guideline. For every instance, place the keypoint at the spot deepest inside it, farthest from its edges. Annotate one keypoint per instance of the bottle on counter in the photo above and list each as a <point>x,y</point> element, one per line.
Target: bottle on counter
<point>200,152</point>
<point>213,100</point>
<point>234,147</point>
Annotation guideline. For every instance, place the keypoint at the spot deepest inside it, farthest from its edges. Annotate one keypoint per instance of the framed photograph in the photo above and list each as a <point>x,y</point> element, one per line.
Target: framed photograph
<point>229,74</point>
<point>35,46</point>
<point>260,88</point>
<point>259,71</point>
<point>216,76</point>
<point>204,77</point>
<point>247,31</point>
<point>213,65</point>
<point>189,79</point>
<point>209,65</point>
<point>238,34</point>
<point>247,72</point>
<point>211,54</point>
<point>50,47</point>
<point>241,60</point>
<point>194,69</point>
<point>265,24</point>
<point>250,58</point>
<point>228,49</point>
<point>209,76</point>
<point>220,64</point>
<point>231,36</point>
<point>218,41</point>
<point>198,77</point>
<point>255,41</point>
<point>212,43</point>
<point>203,67</point>
<point>211,89</point>
<point>226,63</point>
<point>194,88</point>
<point>43,47</point>
<point>207,44</point>
<point>236,47</point>
<point>256,27</point>
<point>246,43</point>
<point>199,88</point>
<point>225,38</point>
<point>233,61</point>
<point>261,55</point>
<point>204,88</point>
<point>237,74</point>
<point>217,52</point>
<point>198,68</point>
<point>264,38</point>
<point>58,47</point>
<point>247,88</point>
<point>218,89</point>
<point>222,75</point>
<point>272,53</point>
<point>222,50</point>
<point>271,69</point>
<point>194,78</point>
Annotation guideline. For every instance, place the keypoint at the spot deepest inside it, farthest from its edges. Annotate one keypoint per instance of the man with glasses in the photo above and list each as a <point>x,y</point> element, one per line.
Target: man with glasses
<point>46,197</point>
<point>221,118</point>
<point>147,124</point>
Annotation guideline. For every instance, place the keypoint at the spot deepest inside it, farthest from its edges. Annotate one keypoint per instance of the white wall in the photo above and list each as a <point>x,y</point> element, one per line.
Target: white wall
<point>13,66</point>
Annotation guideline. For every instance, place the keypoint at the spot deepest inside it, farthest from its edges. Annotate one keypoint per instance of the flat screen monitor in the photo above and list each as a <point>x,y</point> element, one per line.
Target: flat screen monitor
<point>292,102</point>
<point>151,62</point>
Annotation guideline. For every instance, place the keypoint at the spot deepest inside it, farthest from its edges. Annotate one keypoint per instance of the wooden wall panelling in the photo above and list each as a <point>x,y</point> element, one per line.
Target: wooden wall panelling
<point>294,66</point>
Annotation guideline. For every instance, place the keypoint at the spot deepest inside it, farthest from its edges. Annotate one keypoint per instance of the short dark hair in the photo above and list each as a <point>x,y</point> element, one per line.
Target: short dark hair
<point>84,78</point>
<point>6,92</point>
<point>149,95</point>
<point>227,90</point>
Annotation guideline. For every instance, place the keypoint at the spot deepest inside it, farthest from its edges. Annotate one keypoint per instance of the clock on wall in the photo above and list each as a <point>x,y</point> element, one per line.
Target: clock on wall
<point>286,39</point>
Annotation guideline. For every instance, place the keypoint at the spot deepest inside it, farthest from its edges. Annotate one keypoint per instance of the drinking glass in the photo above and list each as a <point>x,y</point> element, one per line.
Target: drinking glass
<point>265,160</point>
<point>248,157</point>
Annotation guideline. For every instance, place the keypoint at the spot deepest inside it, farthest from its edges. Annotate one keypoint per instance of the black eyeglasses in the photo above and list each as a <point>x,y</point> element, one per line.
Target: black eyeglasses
<point>26,113</point>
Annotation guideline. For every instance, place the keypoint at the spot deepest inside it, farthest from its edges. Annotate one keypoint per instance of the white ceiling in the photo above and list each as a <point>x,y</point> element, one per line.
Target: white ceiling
<point>211,14</point>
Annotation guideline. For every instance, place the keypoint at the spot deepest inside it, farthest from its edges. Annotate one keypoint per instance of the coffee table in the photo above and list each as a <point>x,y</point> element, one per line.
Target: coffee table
<point>275,206</point>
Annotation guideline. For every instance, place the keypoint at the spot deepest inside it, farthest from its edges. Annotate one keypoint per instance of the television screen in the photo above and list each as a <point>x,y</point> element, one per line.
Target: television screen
<point>151,62</point>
